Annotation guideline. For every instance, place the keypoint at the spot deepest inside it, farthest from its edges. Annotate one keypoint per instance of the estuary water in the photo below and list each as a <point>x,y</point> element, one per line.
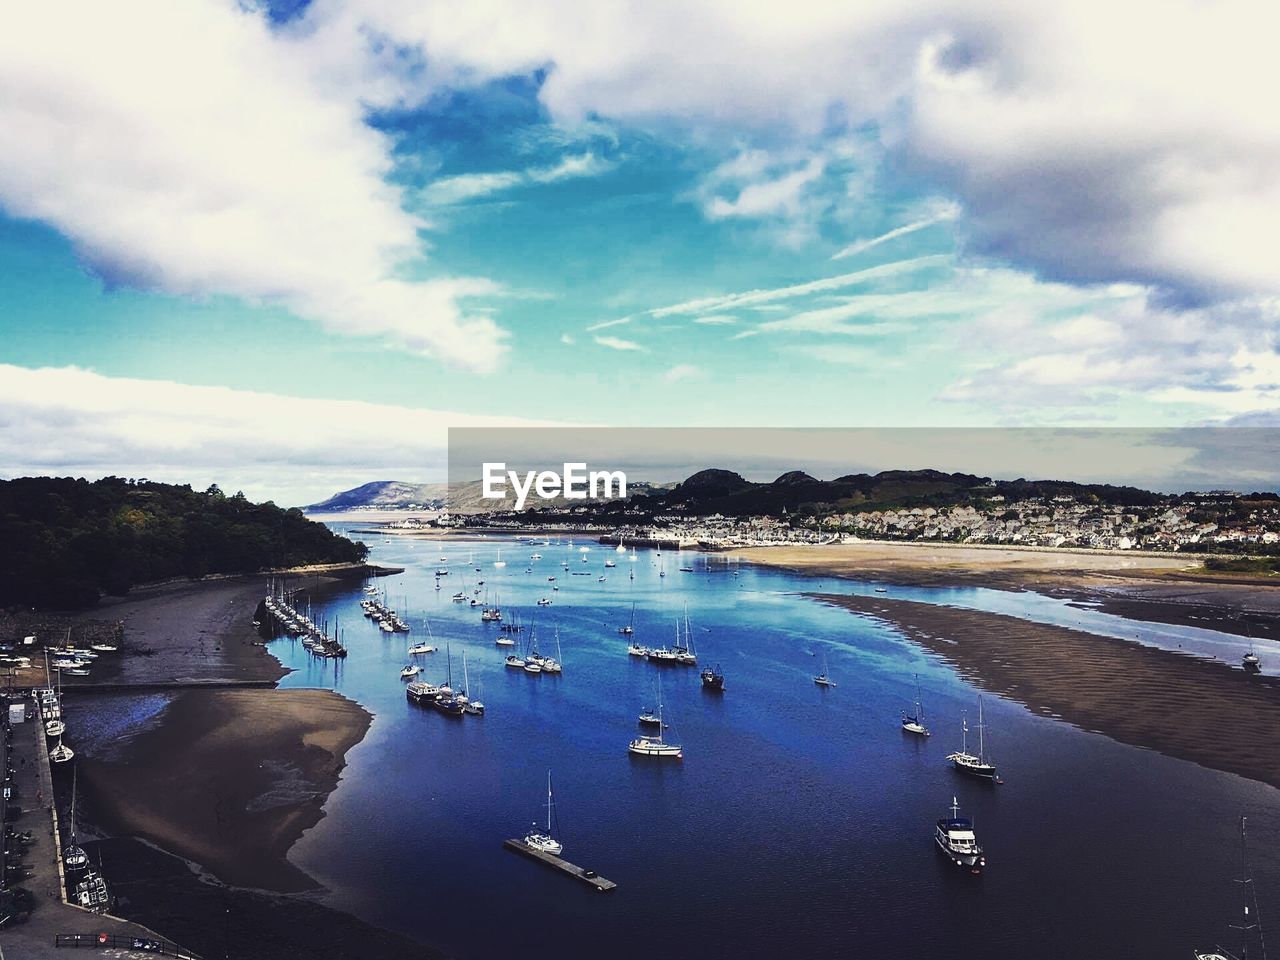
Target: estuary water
<point>799,822</point>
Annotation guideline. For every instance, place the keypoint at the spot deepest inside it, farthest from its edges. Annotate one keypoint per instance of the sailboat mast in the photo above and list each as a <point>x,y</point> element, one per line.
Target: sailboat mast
<point>549,803</point>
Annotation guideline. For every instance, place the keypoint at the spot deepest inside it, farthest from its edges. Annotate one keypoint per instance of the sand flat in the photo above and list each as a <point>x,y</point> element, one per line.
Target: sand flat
<point>1121,689</point>
<point>231,779</point>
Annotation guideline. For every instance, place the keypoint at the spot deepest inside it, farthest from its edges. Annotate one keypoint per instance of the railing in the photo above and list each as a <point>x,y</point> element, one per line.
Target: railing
<point>108,941</point>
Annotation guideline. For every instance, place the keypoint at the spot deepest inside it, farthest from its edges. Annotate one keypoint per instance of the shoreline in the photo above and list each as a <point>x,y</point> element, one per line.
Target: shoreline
<point>218,788</point>
<point>230,779</point>
<point>1120,689</point>
<point>1150,588</point>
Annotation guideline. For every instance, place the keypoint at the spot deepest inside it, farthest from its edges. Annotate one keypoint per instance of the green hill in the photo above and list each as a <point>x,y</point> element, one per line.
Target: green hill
<point>67,541</point>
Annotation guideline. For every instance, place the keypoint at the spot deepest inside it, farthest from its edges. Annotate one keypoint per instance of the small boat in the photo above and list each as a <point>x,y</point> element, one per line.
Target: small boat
<point>54,728</point>
<point>421,648</point>
<point>914,722</point>
<point>1250,661</point>
<point>686,569</point>
<point>609,563</point>
<point>532,666</point>
<point>107,647</point>
<point>630,628</point>
<point>636,650</point>
<point>1250,926</point>
<point>473,707</point>
<point>92,893</point>
<point>713,679</point>
<point>73,855</point>
<point>600,579</point>
<point>535,556</point>
<point>881,590</point>
<point>420,692</point>
<point>652,745</point>
<point>649,719</point>
<point>955,837</point>
<point>410,670</point>
<point>551,579</point>
<point>546,842</point>
<point>966,762</point>
<point>460,597</point>
<point>499,562</point>
<point>822,679</point>
<point>61,753</point>
<point>544,602</point>
<point>515,661</point>
<point>505,641</point>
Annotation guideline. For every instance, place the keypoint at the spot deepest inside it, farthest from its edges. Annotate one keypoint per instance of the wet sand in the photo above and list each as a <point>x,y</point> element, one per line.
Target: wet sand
<point>214,920</point>
<point>1114,687</point>
<point>230,779</point>
<point>1153,587</point>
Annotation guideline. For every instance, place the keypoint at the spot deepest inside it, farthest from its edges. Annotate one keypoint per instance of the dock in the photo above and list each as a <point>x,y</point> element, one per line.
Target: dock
<point>564,866</point>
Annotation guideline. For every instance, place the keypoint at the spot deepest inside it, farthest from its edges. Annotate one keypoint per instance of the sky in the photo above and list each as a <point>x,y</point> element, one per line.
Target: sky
<point>285,246</point>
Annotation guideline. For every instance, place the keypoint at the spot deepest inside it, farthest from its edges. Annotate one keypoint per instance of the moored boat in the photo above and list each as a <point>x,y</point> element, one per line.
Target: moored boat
<point>955,837</point>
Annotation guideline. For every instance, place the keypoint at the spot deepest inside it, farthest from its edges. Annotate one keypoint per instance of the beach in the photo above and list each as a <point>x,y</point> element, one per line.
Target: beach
<point>1162,588</point>
<point>1182,706</point>
<point>230,779</point>
<point>200,806</point>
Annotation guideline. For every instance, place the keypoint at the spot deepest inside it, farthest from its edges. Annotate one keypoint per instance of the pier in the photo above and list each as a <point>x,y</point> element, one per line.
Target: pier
<point>564,866</point>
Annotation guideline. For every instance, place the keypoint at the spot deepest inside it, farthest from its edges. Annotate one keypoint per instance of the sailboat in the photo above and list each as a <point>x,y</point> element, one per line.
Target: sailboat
<point>546,842</point>
<point>822,679</point>
<point>73,855</point>
<point>1250,660</point>
<point>621,547</point>
<point>630,628</point>
<point>499,562</point>
<point>966,762</point>
<point>61,753</point>
<point>914,723</point>
<point>473,707</point>
<point>653,745</point>
<point>449,703</point>
<point>1250,921</point>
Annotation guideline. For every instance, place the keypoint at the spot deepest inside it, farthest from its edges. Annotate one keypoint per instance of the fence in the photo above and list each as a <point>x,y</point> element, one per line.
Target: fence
<point>104,941</point>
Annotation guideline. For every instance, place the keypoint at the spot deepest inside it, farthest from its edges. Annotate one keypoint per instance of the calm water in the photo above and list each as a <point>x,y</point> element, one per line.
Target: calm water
<point>800,821</point>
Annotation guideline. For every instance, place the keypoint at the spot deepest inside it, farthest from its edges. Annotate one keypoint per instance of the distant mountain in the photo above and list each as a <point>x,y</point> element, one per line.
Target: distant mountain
<point>462,498</point>
<point>730,494</point>
<point>384,495</point>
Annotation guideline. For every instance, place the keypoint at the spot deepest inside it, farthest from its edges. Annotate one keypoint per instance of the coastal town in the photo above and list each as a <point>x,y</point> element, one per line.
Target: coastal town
<point>1218,521</point>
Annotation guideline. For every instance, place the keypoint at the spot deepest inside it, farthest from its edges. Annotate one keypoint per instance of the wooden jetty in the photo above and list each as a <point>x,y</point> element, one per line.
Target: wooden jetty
<point>564,866</point>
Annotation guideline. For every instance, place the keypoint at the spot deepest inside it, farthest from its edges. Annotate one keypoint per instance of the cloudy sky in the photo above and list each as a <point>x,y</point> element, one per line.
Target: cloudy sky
<point>285,245</point>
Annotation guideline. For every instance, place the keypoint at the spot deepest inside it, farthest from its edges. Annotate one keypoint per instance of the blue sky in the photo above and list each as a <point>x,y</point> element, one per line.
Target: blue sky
<point>409,218</point>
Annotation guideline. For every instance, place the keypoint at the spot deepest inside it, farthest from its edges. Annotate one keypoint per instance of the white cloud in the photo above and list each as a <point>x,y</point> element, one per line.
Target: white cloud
<point>448,191</point>
<point>469,186</point>
<point>681,371</point>
<point>70,421</point>
<point>217,161</point>
<point>753,298</point>
<point>571,167</point>
<point>617,343</point>
<point>716,319</point>
<point>606,324</point>
<point>1090,142</point>
<point>567,340</point>
<point>945,213</point>
<point>780,195</point>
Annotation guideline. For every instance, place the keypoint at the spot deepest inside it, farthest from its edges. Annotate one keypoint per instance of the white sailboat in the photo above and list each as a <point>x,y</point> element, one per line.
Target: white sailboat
<point>473,707</point>
<point>653,745</point>
<point>546,842</point>
<point>914,723</point>
<point>1250,925</point>
<point>822,679</point>
<point>61,753</point>
<point>966,762</point>
<point>499,562</point>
